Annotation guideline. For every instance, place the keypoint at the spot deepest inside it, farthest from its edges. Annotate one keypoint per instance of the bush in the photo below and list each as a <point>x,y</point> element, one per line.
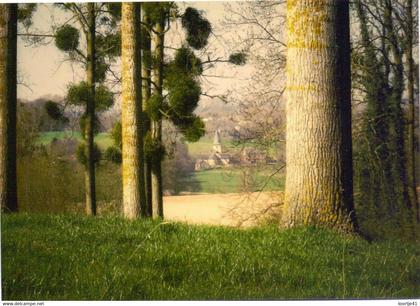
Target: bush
<point>81,155</point>
<point>198,28</point>
<point>113,154</point>
<point>176,169</point>
<point>47,184</point>
<point>67,38</point>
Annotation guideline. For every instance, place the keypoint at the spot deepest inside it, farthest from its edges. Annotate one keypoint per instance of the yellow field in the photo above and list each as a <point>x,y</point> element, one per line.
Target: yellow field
<point>232,209</point>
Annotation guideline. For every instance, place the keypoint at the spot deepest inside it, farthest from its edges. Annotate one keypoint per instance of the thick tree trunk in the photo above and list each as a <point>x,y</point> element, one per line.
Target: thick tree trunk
<point>410,145</point>
<point>146,91</point>
<point>8,105</point>
<point>132,123</point>
<point>156,125</point>
<point>90,115</point>
<point>318,153</point>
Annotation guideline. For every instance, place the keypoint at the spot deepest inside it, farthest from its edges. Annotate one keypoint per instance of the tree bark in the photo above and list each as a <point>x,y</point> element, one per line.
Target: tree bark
<point>318,151</point>
<point>8,105</point>
<point>132,123</point>
<point>90,114</point>
<point>156,125</point>
<point>146,92</point>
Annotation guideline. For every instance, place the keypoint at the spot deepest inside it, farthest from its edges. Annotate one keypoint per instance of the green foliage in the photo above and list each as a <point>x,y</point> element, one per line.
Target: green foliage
<point>104,98</point>
<point>154,106</point>
<point>109,45</point>
<point>154,149</point>
<point>197,27</point>
<point>78,94</point>
<point>183,94</point>
<point>159,12</point>
<point>185,62</point>
<point>101,68</point>
<point>194,129</point>
<point>53,110</point>
<point>81,153</point>
<point>25,13</point>
<point>114,9</point>
<point>116,134</point>
<point>82,125</point>
<point>238,58</point>
<point>67,38</point>
<point>183,262</point>
<point>113,154</point>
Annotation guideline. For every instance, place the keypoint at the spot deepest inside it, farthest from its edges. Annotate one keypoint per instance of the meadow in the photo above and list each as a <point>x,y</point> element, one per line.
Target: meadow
<point>234,180</point>
<point>102,139</point>
<point>57,257</point>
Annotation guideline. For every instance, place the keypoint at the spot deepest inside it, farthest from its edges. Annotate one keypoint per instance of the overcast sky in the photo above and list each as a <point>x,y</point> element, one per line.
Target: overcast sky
<point>42,70</point>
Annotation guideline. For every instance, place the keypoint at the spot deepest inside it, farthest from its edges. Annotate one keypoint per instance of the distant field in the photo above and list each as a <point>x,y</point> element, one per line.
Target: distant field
<point>205,146</point>
<point>102,139</point>
<point>233,180</point>
<point>202,147</point>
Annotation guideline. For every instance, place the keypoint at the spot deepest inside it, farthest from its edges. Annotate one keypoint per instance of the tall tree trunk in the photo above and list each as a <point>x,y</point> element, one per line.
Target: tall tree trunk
<point>146,91</point>
<point>8,105</point>
<point>156,125</point>
<point>410,145</point>
<point>318,179</point>
<point>344,89</point>
<point>90,114</point>
<point>132,123</point>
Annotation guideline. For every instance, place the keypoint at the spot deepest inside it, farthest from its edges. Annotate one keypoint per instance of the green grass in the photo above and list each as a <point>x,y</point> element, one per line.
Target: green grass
<point>102,139</point>
<point>232,180</point>
<point>58,257</point>
<point>202,147</point>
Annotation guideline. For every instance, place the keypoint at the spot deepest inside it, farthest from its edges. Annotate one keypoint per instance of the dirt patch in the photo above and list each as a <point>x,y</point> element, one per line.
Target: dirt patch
<point>233,209</point>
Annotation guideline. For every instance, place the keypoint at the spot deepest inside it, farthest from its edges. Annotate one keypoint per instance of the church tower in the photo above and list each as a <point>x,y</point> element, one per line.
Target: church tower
<point>217,146</point>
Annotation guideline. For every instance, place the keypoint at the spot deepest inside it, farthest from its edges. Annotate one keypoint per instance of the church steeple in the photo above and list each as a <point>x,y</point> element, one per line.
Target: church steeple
<point>217,146</point>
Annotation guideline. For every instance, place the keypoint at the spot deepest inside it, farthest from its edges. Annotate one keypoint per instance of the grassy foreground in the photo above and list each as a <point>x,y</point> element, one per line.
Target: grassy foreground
<point>49,257</point>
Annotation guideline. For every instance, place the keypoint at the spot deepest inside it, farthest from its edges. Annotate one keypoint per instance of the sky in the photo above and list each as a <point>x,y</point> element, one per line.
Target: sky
<point>43,71</point>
